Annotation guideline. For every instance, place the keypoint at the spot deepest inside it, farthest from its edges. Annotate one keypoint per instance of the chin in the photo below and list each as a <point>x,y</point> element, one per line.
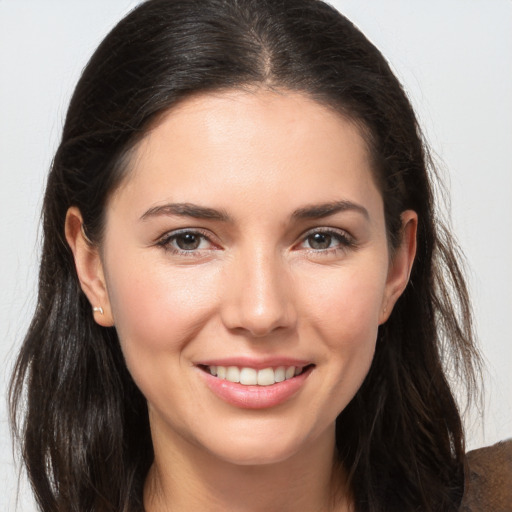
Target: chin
<point>263,446</point>
<point>242,454</point>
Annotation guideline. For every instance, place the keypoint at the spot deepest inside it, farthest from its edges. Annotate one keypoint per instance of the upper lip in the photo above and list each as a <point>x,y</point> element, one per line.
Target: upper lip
<point>257,364</point>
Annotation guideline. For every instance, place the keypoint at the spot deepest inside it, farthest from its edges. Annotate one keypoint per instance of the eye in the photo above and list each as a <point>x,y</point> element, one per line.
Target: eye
<point>327,240</point>
<point>186,242</point>
<point>319,241</point>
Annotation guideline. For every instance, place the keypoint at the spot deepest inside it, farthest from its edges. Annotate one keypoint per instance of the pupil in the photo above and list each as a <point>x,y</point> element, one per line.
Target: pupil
<point>188,241</point>
<point>320,241</point>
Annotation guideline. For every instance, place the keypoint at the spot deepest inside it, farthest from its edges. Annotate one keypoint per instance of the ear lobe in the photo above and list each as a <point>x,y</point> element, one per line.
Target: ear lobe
<point>89,268</point>
<point>401,264</point>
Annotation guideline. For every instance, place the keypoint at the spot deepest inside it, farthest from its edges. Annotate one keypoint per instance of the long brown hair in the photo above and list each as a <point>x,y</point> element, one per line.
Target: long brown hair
<point>85,435</point>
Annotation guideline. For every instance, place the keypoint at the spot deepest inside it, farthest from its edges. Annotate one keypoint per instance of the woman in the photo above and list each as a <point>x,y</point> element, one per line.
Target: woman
<point>244,295</point>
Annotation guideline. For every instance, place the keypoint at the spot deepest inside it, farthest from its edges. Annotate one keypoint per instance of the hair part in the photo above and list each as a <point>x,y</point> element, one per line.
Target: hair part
<point>85,436</point>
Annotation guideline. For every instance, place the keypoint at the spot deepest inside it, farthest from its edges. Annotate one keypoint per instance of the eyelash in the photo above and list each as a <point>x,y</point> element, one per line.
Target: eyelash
<point>167,240</point>
<point>343,239</point>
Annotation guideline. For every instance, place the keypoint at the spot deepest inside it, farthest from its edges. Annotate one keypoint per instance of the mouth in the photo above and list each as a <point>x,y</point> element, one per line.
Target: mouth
<point>255,384</point>
<point>247,376</point>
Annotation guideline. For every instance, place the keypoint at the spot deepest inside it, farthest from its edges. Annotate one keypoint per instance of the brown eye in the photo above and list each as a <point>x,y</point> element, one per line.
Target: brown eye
<point>327,241</point>
<point>188,241</point>
<point>319,241</point>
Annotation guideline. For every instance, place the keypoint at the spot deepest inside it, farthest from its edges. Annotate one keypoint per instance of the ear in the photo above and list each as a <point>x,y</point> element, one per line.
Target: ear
<point>400,265</point>
<point>89,268</point>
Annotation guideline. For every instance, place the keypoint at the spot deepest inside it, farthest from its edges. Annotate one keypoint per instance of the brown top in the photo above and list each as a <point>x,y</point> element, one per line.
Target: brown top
<point>489,479</point>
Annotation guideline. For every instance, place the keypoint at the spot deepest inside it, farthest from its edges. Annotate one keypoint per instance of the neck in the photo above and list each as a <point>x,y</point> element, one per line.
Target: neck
<point>187,478</point>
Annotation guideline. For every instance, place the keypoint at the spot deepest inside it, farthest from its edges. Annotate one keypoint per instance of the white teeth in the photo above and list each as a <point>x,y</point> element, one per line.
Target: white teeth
<point>233,374</point>
<point>252,377</point>
<point>290,372</point>
<point>248,376</point>
<point>280,374</point>
<point>266,377</point>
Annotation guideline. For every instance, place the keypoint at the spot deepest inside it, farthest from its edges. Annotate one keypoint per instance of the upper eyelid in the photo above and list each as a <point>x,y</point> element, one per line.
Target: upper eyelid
<point>325,229</point>
<point>328,230</point>
<point>345,239</point>
<point>168,235</point>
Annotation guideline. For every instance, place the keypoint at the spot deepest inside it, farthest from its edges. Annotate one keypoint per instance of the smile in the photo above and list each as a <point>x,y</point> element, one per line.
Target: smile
<point>248,387</point>
<point>252,377</point>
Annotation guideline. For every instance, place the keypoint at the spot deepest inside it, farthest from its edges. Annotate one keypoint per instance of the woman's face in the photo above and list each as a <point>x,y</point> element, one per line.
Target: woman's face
<point>248,243</point>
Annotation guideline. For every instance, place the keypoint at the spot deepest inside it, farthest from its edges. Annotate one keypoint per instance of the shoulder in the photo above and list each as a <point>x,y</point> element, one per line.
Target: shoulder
<point>488,483</point>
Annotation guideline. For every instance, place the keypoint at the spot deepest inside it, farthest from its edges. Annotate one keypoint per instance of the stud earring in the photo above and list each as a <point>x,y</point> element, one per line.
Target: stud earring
<point>98,309</point>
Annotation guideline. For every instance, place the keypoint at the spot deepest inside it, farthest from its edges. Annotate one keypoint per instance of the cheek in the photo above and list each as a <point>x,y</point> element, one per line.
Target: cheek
<point>344,315</point>
<point>158,312</point>
<point>346,305</point>
<point>157,308</point>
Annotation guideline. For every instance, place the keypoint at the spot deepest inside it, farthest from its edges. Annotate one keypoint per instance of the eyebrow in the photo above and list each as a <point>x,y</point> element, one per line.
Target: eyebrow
<point>315,211</point>
<point>186,210</point>
<point>319,211</point>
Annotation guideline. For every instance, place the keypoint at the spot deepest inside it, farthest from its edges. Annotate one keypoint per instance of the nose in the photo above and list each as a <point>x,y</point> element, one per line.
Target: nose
<point>259,297</point>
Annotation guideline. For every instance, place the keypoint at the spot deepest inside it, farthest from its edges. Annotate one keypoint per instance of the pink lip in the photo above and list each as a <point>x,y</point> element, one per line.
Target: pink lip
<point>255,397</point>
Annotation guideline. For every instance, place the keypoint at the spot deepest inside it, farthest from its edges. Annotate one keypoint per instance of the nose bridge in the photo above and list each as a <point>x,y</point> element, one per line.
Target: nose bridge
<point>259,296</point>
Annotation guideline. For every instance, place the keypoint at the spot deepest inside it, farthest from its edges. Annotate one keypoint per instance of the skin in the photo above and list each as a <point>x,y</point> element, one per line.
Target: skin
<point>257,285</point>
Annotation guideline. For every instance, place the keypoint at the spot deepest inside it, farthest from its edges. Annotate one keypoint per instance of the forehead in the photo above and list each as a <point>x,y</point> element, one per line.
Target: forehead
<point>223,145</point>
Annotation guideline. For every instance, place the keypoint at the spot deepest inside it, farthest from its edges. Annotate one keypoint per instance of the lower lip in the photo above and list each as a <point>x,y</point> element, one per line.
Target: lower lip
<point>255,397</point>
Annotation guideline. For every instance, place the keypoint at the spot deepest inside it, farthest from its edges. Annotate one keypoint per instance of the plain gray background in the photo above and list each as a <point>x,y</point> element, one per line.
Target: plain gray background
<point>455,60</point>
